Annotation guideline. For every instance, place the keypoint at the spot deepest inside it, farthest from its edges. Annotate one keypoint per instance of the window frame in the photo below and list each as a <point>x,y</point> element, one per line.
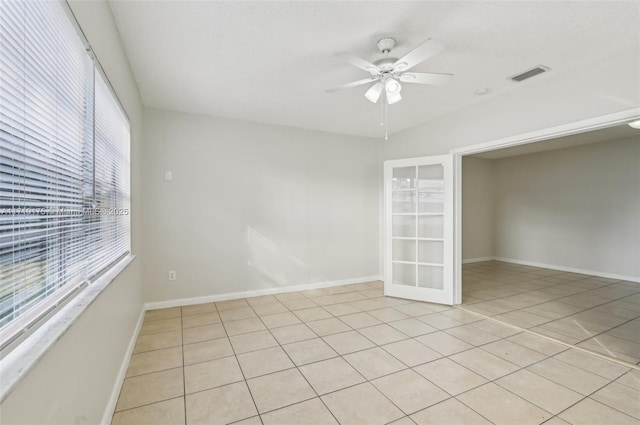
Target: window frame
<point>19,343</point>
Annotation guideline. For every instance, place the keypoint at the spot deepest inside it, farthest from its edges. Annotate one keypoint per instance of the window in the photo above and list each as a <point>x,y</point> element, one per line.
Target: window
<point>64,165</point>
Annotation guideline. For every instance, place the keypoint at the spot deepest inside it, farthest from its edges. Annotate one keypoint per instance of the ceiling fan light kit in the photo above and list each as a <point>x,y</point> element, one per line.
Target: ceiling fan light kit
<point>387,73</point>
<point>392,89</point>
<point>392,86</point>
<point>374,92</point>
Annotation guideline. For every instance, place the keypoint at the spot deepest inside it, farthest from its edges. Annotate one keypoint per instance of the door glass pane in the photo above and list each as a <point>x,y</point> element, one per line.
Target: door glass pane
<point>431,177</point>
<point>404,226</point>
<point>431,187</point>
<point>430,252</point>
<point>404,274</point>
<point>404,202</point>
<point>404,250</point>
<point>404,178</point>
<point>431,277</point>
<point>431,202</point>
<point>430,226</point>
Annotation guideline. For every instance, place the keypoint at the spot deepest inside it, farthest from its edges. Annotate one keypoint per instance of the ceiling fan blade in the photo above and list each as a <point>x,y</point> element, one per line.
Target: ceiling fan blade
<point>349,85</point>
<point>425,78</point>
<point>421,53</point>
<point>358,62</point>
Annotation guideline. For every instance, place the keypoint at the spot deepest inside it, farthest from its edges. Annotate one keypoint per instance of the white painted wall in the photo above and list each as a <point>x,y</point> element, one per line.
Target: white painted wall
<point>577,207</point>
<point>570,208</point>
<point>478,197</point>
<point>74,380</point>
<point>560,97</point>
<point>254,206</point>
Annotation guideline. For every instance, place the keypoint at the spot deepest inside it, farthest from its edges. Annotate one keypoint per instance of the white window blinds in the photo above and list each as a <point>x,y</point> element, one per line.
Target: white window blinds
<point>109,230</point>
<point>64,164</point>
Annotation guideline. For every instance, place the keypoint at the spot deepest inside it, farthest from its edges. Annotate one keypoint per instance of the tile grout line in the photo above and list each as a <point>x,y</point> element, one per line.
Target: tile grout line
<point>557,341</point>
<point>585,310</point>
<point>610,329</point>
<point>407,338</point>
<point>558,300</point>
<point>115,410</point>
<point>391,373</point>
<point>472,346</point>
<point>493,381</point>
<point>227,337</point>
<point>184,372</point>
<point>480,347</point>
<point>588,396</point>
<point>246,384</point>
<point>626,385</point>
<point>295,366</point>
<point>341,356</point>
<point>152,403</point>
<point>549,285</point>
<point>381,346</point>
<point>412,368</point>
<point>515,371</point>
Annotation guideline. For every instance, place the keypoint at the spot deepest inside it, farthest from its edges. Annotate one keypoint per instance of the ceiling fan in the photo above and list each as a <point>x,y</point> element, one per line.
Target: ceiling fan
<point>389,72</point>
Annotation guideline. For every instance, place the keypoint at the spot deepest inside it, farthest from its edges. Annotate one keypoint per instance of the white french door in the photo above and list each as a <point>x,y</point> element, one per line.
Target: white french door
<point>418,202</point>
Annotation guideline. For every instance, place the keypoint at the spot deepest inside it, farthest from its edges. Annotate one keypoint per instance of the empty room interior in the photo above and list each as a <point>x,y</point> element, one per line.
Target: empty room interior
<point>326,212</point>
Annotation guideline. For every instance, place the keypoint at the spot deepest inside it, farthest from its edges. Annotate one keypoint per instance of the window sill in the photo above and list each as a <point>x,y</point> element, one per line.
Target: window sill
<point>23,358</point>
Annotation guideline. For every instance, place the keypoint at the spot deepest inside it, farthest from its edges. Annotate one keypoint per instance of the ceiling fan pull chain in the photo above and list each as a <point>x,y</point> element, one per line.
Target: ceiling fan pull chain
<point>386,120</point>
<point>381,110</point>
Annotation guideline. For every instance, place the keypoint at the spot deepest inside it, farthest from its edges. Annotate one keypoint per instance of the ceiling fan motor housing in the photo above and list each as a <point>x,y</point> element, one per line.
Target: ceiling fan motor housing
<point>385,64</point>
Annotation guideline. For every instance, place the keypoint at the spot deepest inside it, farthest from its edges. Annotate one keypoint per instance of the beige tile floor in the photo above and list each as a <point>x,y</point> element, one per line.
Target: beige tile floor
<point>348,355</point>
<point>598,314</point>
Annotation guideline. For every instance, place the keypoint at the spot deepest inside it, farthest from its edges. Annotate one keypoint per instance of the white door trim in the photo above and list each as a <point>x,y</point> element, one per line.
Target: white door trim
<point>576,127</point>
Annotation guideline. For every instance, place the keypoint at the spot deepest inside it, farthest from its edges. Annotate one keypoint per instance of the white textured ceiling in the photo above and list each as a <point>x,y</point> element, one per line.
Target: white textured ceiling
<point>604,135</point>
<point>271,61</point>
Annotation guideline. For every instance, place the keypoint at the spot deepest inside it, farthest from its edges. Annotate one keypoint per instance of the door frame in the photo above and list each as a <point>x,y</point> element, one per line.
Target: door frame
<point>569,129</point>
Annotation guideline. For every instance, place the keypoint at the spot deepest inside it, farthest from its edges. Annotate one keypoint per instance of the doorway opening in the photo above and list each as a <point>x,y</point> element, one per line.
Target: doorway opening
<point>545,235</point>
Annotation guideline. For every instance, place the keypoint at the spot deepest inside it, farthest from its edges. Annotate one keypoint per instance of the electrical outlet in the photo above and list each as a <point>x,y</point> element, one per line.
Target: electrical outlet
<point>172,275</point>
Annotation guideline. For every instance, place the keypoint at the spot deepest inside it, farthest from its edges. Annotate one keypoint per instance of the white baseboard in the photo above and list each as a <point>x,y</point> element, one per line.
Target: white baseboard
<point>115,393</point>
<point>255,293</point>
<point>568,269</point>
<point>476,260</point>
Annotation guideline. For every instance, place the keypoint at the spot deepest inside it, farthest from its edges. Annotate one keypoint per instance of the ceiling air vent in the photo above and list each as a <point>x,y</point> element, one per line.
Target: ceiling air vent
<point>529,74</point>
